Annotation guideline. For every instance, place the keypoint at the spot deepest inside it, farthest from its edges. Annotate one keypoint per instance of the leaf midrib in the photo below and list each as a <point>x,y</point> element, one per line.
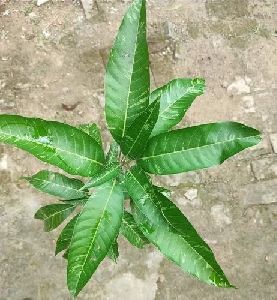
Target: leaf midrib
<point>56,184</point>
<point>132,74</point>
<point>63,238</point>
<point>95,180</point>
<point>95,233</point>
<point>49,147</point>
<point>56,213</point>
<point>174,102</point>
<point>195,148</point>
<point>138,135</point>
<point>177,231</point>
<point>131,228</point>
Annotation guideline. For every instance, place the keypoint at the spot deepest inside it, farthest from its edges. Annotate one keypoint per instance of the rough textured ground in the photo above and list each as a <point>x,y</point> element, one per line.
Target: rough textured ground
<point>52,65</point>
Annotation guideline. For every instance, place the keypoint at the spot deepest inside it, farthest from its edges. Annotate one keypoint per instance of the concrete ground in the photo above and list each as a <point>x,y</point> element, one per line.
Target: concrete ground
<point>52,62</point>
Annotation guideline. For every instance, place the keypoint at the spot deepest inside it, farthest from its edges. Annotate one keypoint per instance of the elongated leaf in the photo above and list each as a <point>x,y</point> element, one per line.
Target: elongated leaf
<point>131,231</point>
<point>94,232</point>
<point>92,130</point>
<point>127,82</point>
<point>137,135</point>
<point>113,252</point>
<point>57,185</point>
<point>53,215</point>
<point>107,174</point>
<point>166,227</point>
<point>175,97</point>
<point>56,143</point>
<point>197,147</point>
<point>65,237</point>
<point>113,154</point>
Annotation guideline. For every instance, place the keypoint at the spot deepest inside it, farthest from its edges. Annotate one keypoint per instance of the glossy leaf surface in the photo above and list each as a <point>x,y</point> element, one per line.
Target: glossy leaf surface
<point>113,153</point>
<point>92,130</point>
<point>94,232</point>
<point>131,231</point>
<point>197,147</point>
<point>76,202</point>
<point>166,227</point>
<point>64,239</point>
<point>107,174</point>
<point>56,143</point>
<point>53,215</point>
<point>57,185</point>
<point>127,82</point>
<point>137,135</point>
<point>175,97</point>
<point>113,252</point>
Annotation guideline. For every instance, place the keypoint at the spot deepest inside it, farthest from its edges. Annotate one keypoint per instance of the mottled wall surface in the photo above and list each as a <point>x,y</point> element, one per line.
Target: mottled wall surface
<point>52,63</point>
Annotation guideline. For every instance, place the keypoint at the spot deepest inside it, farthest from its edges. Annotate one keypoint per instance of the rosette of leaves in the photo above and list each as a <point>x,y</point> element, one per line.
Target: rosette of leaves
<point>141,123</point>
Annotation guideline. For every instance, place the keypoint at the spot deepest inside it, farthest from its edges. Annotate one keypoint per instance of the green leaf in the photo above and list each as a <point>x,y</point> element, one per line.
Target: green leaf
<point>121,184</point>
<point>94,232</point>
<point>127,83</point>
<point>113,154</point>
<point>175,97</point>
<point>64,239</point>
<point>113,252</point>
<point>162,190</point>
<point>165,226</point>
<point>92,130</point>
<point>137,135</point>
<point>57,185</point>
<point>131,231</point>
<point>76,202</point>
<point>197,147</point>
<point>65,255</point>
<point>56,143</point>
<point>107,174</point>
<point>53,215</point>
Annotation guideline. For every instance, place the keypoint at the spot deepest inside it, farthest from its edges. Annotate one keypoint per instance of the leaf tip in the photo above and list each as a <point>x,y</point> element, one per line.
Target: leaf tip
<point>200,84</point>
<point>37,215</point>
<point>228,285</point>
<point>222,282</point>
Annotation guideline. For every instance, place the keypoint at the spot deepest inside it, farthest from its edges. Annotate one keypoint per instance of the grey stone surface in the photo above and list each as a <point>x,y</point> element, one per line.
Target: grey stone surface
<point>265,167</point>
<point>264,192</point>
<point>52,58</point>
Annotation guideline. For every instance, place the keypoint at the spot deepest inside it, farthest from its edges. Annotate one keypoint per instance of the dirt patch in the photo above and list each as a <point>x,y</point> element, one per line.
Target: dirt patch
<point>228,8</point>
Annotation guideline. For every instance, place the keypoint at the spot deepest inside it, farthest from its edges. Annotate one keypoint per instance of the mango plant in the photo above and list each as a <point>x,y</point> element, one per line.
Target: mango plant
<point>117,196</point>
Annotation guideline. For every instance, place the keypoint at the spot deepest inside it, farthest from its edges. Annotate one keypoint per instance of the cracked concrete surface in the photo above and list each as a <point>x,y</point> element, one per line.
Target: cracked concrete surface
<point>52,57</point>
